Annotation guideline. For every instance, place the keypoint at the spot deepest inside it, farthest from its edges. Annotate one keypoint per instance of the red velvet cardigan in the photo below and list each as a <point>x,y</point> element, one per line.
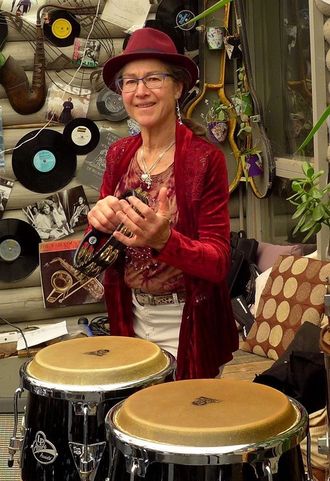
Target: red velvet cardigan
<point>198,245</point>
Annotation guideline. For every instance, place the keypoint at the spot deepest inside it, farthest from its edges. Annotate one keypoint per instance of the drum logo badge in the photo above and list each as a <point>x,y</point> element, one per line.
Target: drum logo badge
<point>43,450</point>
<point>99,352</point>
<point>202,401</point>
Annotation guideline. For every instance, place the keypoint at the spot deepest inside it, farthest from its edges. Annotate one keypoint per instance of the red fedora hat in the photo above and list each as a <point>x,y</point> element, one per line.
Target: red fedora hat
<point>149,43</point>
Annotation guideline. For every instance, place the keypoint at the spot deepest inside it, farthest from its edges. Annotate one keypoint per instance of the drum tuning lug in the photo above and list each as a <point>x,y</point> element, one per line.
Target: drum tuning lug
<point>138,465</point>
<point>87,458</point>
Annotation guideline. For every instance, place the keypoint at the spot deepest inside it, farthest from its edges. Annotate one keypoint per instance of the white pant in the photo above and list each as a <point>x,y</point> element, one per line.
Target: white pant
<point>159,324</point>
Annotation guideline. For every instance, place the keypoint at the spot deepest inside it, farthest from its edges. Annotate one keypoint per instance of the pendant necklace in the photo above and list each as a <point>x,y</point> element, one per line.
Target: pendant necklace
<point>145,176</point>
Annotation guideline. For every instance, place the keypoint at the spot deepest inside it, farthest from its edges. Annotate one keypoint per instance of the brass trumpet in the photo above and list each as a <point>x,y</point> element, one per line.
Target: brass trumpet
<point>67,281</point>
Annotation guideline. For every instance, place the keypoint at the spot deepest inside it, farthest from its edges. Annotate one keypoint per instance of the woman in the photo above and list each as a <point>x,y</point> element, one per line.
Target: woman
<point>171,287</point>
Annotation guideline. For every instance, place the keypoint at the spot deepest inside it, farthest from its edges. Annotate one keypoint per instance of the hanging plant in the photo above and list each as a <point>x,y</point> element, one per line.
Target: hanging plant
<point>216,119</point>
<point>252,162</point>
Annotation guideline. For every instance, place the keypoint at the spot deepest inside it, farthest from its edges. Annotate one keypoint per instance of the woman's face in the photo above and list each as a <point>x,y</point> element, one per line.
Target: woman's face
<point>151,108</point>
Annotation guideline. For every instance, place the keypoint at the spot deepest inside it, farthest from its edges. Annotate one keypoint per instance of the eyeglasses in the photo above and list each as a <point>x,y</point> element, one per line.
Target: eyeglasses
<point>152,81</point>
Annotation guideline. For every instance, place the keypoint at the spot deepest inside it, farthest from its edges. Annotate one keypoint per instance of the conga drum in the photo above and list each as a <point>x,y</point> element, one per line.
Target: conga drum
<point>71,386</point>
<point>206,430</point>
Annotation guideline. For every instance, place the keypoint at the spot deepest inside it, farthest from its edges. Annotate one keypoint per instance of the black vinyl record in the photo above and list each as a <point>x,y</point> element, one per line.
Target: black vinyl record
<point>61,28</point>
<point>172,13</point>
<point>110,105</point>
<point>82,135</point>
<point>19,249</point>
<point>3,30</point>
<point>44,162</point>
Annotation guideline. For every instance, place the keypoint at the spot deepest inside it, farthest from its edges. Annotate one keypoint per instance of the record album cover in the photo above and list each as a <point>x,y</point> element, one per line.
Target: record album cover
<point>86,52</point>
<point>62,284</point>
<point>5,189</point>
<point>65,102</point>
<point>91,171</point>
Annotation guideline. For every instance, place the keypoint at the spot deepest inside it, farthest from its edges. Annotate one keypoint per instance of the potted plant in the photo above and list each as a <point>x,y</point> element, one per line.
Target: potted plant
<point>252,162</point>
<point>312,202</point>
<point>216,118</point>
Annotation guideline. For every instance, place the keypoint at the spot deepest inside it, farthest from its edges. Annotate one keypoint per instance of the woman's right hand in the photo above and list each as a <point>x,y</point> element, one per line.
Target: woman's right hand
<point>103,216</point>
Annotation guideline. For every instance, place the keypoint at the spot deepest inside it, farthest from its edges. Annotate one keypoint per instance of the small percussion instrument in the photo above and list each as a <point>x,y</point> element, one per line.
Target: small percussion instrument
<point>71,386</point>
<point>206,430</point>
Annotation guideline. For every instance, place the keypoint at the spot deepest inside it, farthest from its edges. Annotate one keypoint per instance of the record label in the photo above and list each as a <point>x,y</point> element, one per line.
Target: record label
<point>82,135</point>
<point>19,249</point>
<point>43,161</point>
<point>110,105</point>
<point>61,28</point>
<point>183,17</point>
<point>9,250</point>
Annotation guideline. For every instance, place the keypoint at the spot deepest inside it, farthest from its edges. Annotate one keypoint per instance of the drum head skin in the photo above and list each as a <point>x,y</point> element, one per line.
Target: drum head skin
<point>100,360</point>
<point>206,412</point>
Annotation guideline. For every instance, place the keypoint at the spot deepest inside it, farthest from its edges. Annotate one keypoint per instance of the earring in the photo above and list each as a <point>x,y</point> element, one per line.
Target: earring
<point>178,113</point>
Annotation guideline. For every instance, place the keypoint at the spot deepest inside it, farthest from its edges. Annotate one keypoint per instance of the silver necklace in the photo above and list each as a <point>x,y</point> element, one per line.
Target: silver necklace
<point>145,176</point>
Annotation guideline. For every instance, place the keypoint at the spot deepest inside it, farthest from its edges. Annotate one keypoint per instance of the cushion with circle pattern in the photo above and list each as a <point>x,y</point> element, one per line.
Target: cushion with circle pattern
<point>294,293</point>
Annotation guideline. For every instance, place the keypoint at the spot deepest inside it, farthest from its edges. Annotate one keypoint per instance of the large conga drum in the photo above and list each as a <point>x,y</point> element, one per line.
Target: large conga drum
<point>71,386</point>
<point>206,430</point>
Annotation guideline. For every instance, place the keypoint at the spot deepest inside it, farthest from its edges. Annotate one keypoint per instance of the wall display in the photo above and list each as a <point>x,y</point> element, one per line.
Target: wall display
<point>43,161</point>
<point>110,105</point>
<point>18,249</point>
<point>82,135</point>
<point>61,28</point>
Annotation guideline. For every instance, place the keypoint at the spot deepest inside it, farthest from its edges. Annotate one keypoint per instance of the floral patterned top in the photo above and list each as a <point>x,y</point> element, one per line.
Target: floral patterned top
<point>142,269</point>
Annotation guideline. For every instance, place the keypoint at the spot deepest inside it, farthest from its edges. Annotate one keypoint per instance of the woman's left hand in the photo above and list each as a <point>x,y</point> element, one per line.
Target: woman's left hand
<point>149,228</point>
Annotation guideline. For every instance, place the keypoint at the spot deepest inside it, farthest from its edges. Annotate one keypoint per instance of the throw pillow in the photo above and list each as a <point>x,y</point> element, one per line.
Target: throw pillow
<point>266,253</point>
<point>294,293</point>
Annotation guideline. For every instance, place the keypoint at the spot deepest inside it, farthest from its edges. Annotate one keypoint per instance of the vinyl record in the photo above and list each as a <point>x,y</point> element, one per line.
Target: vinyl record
<point>111,106</point>
<point>45,163</point>
<point>3,30</point>
<point>19,249</point>
<point>82,135</point>
<point>61,28</point>
<point>174,13</point>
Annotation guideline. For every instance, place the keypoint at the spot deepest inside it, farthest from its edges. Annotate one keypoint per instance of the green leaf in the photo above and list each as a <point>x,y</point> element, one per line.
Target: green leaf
<point>208,11</point>
<point>313,231</point>
<point>318,213</point>
<point>316,127</point>
<point>308,169</point>
<point>299,211</point>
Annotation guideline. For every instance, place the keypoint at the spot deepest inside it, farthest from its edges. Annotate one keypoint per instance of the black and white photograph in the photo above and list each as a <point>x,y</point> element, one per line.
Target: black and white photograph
<point>75,205</point>
<point>5,188</point>
<point>48,217</point>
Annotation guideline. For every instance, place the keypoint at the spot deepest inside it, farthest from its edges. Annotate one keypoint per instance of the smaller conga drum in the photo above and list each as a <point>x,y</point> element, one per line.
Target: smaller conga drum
<point>207,430</point>
<point>71,386</point>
